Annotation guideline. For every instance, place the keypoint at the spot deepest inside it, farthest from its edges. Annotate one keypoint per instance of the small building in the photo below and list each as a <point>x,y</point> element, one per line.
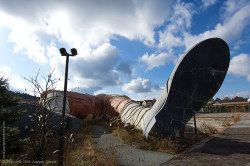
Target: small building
<point>148,103</point>
<point>243,106</point>
<point>139,102</point>
<point>239,105</point>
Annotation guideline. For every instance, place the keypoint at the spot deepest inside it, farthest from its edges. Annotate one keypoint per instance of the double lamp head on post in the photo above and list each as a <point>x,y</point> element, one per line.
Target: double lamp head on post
<point>61,141</point>
<point>64,52</point>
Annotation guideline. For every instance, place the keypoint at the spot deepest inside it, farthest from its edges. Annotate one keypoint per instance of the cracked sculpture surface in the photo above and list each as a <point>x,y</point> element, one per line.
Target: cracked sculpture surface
<point>195,79</point>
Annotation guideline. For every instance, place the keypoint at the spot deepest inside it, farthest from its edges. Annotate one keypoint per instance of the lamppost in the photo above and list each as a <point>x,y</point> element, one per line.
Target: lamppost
<point>195,128</point>
<point>61,138</point>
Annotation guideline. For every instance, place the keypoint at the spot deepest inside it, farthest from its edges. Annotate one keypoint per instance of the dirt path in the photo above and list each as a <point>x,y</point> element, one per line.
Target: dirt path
<point>230,147</point>
<point>127,155</point>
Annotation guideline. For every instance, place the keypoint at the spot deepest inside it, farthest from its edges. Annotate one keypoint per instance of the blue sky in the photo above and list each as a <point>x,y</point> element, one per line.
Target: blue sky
<point>124,47</point>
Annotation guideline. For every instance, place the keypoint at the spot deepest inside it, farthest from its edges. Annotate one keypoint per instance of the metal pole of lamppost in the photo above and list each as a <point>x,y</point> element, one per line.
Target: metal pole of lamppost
<point>195,129</point>
<point>61,138</point>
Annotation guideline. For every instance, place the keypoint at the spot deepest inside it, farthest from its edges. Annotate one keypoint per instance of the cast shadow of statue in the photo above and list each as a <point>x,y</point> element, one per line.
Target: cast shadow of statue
<point>231,141</point>
<point>225,147</point>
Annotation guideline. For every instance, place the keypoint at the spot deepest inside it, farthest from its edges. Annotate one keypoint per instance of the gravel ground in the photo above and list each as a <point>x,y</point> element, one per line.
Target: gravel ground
<point>230,147</point>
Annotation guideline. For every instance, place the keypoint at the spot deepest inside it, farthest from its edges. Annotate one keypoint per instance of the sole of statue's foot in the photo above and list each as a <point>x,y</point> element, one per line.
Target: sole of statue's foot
<point>195,79</point>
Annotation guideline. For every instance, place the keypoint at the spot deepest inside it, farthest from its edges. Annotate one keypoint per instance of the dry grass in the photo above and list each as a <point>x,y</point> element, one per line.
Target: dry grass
<point>236,117</point>
<point>135,138</point>
<point>227,122</point>
<point>80,149</point>
<point>208,128</point>
<point>83,151</point>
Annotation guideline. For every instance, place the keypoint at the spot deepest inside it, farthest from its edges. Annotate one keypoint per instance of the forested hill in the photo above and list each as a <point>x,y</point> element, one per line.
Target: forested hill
<point>25,96</point>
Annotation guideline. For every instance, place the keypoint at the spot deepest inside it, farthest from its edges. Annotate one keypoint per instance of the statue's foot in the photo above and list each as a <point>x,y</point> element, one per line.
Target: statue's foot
<point>195,79</point>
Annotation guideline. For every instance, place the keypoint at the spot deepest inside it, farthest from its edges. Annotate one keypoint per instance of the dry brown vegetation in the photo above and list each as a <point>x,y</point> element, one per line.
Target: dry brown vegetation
<point>236,117</point>
<point>134,137</point>
<point>83,150</point>
<point>208,128</point>
<point>227,122</point>
<point>80,149</point>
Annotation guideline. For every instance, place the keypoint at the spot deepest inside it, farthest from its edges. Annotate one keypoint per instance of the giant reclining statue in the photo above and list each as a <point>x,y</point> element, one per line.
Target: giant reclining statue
<point>195,79</point>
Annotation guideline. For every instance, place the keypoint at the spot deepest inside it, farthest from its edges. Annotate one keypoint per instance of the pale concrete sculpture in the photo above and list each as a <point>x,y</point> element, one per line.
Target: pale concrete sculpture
<point>195,79</point>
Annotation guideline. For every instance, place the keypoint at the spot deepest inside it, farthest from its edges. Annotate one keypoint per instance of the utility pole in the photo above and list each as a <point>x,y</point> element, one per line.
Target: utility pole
<point>61,138</point>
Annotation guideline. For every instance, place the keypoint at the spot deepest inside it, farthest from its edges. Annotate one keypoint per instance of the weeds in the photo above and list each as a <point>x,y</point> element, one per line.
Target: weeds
<point>227,122</point>
<point>236,117</point>
<point>208,128</point>
<point>80,149</point>
<point>84,152</point>
<point>135,138</point>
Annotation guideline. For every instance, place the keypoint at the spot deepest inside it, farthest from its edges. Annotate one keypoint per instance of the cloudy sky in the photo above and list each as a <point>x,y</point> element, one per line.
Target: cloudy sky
<point>124,47</point>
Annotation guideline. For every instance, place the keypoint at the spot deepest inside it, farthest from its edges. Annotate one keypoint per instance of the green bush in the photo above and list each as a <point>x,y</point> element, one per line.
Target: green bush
<point>9,135</point>
<point>13,143</point>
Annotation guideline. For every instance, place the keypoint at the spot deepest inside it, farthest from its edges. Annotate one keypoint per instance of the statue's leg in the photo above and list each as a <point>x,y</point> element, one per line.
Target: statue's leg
<point>194,81</point>
<point>133,114</point>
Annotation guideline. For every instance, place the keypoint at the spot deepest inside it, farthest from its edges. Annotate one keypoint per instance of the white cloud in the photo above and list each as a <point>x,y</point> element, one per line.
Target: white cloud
<point>100,92</point>
<point>142,89</point>
<point>235,19</point>
<point>231,6</point>
<point>125,68</point>
<point>52,51</point>
<point>91,70</point>
<point>24,38</point>
<point>244,94</point>
<point>235,22</point>
<point>239,66</point>
<point>15,82</point>
<point>5,71</point>
<point>38,28</point>
<point>154,60</point>
<point>180,21</point>
<point>169,40</point>
<point>91,22</point>
<point>207,3</point>
<point>238,44</point>
<point>28,44</point>
<point>138,85</point>
<point>98,66</point>
<point>18,83</point>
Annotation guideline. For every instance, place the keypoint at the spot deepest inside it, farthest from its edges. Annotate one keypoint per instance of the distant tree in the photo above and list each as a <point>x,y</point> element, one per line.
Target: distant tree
<point>226,99</point>
<point>7,99</point>
<point>217,99</point>
<point>237,98</point>
<point>11,140</point>
<point>26,97</point>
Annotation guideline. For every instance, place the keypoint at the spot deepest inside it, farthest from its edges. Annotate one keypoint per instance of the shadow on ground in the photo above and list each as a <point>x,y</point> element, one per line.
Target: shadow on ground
<point>224,147</point>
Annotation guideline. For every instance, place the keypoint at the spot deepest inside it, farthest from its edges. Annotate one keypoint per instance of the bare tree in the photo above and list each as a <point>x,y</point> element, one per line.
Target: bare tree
<point>42,115</point>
